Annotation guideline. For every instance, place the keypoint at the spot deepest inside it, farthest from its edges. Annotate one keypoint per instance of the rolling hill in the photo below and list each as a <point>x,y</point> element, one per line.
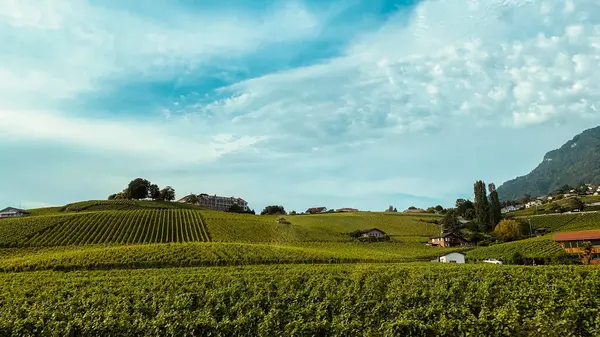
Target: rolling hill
<point>576,162</point>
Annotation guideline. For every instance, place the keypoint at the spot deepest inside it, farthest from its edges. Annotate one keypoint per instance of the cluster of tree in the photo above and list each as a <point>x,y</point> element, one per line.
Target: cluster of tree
<point>235,208</point>
<point>465,208</point>
<point>273,210</point>
<point>140,188</point>
<point>436,209</point>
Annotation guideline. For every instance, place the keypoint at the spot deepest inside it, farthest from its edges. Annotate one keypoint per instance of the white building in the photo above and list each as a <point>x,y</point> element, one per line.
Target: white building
<point>533,203</point>
<point>452,258</point>
<point>217,202</point>
<point>510,209</point>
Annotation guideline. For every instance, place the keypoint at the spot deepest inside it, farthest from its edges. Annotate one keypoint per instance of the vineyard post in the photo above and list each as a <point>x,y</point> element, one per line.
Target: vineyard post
<point>530,230</point>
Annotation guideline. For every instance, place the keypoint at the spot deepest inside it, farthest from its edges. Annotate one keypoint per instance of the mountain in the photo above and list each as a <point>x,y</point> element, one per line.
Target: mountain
<point>575,163</point>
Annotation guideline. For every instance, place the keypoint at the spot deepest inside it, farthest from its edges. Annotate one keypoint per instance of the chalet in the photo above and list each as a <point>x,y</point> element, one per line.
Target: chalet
<point>371,234</point>
<point>452,258</point>
<point>316,210</point>
<point>11,212</point>
<point>447,240</point>
<point>573,242</point>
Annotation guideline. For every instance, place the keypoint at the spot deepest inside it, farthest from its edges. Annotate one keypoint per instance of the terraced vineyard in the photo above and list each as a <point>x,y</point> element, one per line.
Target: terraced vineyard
<point>542,247</point>
<point>120,227</point>
<point>565,222</point>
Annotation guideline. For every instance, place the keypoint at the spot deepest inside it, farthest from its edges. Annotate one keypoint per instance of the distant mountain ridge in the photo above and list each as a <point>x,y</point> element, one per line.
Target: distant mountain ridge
<point>575,163</point>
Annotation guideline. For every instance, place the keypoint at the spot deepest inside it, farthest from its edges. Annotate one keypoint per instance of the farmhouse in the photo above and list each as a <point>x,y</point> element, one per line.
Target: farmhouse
<point>11,212</point>
<point>452,258</point>
<point>371,234</point>
<point>316,210</point>
<point>447,240</point>
<point>573,242</point>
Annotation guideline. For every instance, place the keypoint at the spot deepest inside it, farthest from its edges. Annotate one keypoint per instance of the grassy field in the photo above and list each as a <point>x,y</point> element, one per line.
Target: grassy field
<point>303,300</point>
<point>227,227</point>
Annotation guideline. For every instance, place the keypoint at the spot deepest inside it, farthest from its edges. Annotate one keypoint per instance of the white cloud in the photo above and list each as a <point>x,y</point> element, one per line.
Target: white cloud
<point>174,142</point>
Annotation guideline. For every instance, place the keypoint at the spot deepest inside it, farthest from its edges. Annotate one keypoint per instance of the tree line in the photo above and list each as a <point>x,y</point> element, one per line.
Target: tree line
<point>140,188</point>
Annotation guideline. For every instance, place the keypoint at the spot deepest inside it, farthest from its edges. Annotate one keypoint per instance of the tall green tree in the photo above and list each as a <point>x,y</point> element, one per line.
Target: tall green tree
<point>138,188</point>
<point>495,207</point>
<point>463,206</point>
<point>450,222</point>
<point>482,207</point>
<point>167,194</point>
<point>154,192</point>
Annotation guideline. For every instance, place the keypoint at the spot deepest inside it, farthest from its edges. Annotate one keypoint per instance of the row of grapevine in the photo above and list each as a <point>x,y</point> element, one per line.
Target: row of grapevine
<point>210,254</point>
<point>538,248</point>
<point>109,227</point>
<point>14,232</point>
<point>565,222</point>
<point>340,300</point>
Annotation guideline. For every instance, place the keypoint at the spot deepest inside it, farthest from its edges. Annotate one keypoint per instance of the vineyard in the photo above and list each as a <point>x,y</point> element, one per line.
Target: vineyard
<point>344,300</point>
<point>122,227</point>
<point>565,222</point>
<point>542,247</point>
<point>209,254</point>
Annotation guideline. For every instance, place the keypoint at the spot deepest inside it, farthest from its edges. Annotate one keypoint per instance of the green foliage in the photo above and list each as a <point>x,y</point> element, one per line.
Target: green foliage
<point>450,222</point>
<point>508,230</point>
<point>463,206</point>
<point>356,300</point>
<point>273,209</point>
<point>495,212</point>
<point>138,188</point>
<point>154,192</point>
<point>167,194</point>
<point>482,208</point>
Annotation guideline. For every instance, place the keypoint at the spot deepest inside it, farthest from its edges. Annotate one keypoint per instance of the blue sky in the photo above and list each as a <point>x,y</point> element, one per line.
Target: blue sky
<point>301,103</point>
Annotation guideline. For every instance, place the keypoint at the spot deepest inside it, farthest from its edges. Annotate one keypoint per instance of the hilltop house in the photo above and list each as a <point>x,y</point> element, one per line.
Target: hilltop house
<point>371,234</point>
<point>572,242</point>
<point>316,210</point>
<point>11,212</point>
<point>215,202</point>
<point>447,240</point>
<point>510,209</point>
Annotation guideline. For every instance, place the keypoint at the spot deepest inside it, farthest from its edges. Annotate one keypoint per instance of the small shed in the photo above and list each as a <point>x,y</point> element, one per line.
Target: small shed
<point>371,234</point>
<point>452,258</point>
<point>282,220</point>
